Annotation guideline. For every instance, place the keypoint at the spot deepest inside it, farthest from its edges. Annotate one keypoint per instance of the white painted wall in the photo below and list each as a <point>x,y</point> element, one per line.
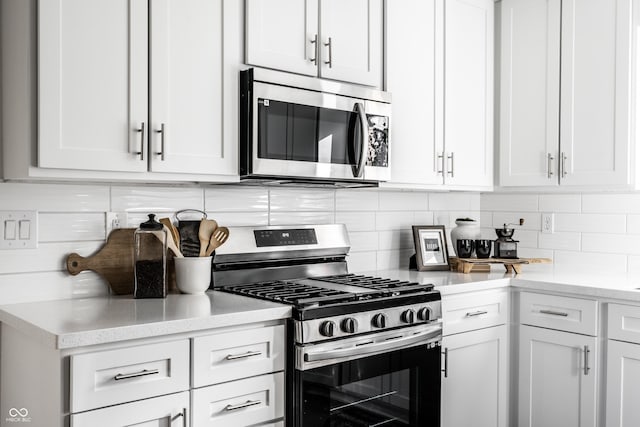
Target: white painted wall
<point>72,218</point>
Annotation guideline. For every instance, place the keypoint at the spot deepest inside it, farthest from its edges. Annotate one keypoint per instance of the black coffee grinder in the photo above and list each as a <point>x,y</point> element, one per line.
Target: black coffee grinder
<point>505,246</point>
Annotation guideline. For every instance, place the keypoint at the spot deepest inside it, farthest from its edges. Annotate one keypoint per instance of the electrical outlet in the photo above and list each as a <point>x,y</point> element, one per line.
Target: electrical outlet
<point>547,223</point>
<point>18,229</point>
<point>115,220</point>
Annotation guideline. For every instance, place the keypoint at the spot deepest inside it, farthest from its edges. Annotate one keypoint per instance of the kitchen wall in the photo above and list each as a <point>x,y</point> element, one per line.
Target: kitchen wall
<point>591,231</point>
<point>72,218</point>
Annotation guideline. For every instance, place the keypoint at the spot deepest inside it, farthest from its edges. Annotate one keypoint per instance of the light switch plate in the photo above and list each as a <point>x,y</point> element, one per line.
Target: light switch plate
<point>23,226</point>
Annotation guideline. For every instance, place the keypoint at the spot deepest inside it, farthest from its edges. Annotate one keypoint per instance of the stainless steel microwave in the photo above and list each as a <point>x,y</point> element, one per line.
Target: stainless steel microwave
<point>298,129</point>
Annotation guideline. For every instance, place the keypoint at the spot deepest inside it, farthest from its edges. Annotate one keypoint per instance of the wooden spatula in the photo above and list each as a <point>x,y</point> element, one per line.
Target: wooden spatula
<point>207,227</point>
<point>173,231</point>
<point>219,236</point>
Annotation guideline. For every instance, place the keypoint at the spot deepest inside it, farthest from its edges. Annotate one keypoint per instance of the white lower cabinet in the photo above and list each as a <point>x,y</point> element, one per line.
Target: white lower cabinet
<point>623,384</point>
<point>164,411</point>
<point>557,378</point>
<point>474,384</point>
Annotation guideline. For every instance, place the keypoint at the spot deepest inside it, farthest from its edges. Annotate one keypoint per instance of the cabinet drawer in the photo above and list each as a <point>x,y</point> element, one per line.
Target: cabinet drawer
<point>474,311</point>
<point>239,403</point>
<point>159,411</point>
<point>240,354</point>
<point>115,376</point>
<point>624,323</point>
<point>561,313</point>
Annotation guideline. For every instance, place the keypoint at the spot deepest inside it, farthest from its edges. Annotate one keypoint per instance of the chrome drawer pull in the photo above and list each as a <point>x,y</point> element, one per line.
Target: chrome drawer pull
<point>476,313</point>
<point>243,355</point>
<point>554,313</point>
<point>445,371</point>
<point>586,360</point>
<point>143,373</point>
<point>242,405</point>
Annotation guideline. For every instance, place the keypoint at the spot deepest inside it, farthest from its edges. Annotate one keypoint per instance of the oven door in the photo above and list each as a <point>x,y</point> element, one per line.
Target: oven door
<point>390,380</point>
<point>308,134</point>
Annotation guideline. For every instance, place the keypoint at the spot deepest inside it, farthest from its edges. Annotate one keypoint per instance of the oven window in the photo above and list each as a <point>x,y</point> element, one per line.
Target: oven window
<point>304,133</point>
<point>397,389</point>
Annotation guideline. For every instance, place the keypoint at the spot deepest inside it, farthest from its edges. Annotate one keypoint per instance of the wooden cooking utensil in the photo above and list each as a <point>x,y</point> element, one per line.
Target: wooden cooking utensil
<point>219,236</point>
<point>172,230</point>
<point>114,261</point>
<point>207,227</point>
<point>171,244</point>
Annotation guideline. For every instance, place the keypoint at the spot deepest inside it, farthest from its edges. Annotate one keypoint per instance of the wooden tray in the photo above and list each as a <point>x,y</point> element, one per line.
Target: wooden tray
<point>467,265</point>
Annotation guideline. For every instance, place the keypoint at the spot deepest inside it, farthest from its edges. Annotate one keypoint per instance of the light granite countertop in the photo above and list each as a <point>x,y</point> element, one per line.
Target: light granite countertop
<point>65,324</point>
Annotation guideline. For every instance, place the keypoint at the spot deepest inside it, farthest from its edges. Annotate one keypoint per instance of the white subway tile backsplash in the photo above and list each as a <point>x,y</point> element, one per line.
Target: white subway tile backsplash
<point>560,241</point>
<point>357,221</point>
<point>71,227</point>
<point>610,243</point>
<point>524,252</point>
<point>633,264</point>
<point>633,224</point>
<point>532,221</point>
<point>570,203</point>
<point>361,262</point>
<point>454,201</point>
<point>611,203</point>
<point>236,199</point>
<point>509,202</point>
<point>301,217</point>
<point>156,199</point>
<point>423,218</point>
<point>394,220</point>
<point>51,285</point>
<point>47,257</point>
<point>301,199</point>
<point>400,239</point>
<point>357,200</point>
<point>403,201</point>
<point>527,238</point>
<point>587,261</point>
<point>239,218</point>
<point>54,197</point>
<point>590,223</point>
<point>363,241</point>
<point>394,259</point>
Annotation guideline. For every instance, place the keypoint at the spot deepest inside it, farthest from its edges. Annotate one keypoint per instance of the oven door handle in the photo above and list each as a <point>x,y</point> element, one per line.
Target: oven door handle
<point>358,169</point>
<point>387,345</point>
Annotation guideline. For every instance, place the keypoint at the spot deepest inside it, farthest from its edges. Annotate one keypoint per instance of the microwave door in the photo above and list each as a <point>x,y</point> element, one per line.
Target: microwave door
<point>302,133</point>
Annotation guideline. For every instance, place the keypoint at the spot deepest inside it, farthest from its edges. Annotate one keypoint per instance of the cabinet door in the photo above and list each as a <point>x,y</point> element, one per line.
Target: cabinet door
<point>92,84</point>
<point>529,92</point>
<point>283,34</point>
<point>623,384</point>
<point>474,389</point>
<point>165,411</point>
<point>187,86</point>
<point>595,92</point>
<point>468,92</point>
<point>351,41</point>
<point>413,152</point>
<point>557,379</point>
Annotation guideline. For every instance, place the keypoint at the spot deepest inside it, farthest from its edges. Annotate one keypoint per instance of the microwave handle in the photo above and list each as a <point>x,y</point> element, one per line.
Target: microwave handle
<point>364,128</point>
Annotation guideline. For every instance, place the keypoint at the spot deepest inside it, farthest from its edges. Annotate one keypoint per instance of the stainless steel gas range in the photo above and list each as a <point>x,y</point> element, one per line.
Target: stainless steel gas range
<point>362,350</point>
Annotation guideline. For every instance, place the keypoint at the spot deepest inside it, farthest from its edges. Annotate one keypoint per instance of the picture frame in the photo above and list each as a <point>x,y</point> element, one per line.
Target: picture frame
<point>431,247</point>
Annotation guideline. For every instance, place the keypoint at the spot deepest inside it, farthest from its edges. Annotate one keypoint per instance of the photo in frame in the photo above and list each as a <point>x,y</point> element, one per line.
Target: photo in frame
<point>431,247</point>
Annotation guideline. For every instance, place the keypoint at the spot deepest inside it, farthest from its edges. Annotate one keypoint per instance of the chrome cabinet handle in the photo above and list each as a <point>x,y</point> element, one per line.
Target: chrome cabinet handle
<point>162,133</point>
<point>328,44</point>
<point>550,159</point>
<point>314,42</point>
<point>450,171</point>
<point>586,360</point>
<point>242,405</point>
<point>563,165</point>
<point>182,415</point>
<point>554,313</point>
<point>142,373</point>
<point>141,132</point>
<point>243,355</point>
<point>446,362</point>
<point>476,313</point>
<point>441,162</point>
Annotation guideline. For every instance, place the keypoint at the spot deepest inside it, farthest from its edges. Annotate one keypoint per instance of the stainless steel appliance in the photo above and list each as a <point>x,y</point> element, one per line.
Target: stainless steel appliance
<point>297,129</point>
<point>363,350</point>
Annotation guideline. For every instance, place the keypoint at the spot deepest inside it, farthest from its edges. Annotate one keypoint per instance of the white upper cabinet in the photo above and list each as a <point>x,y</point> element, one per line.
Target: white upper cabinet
<point>92,84</point>
<point>327,38</point>
<point>566,93</point>
<point>468,92</point>
<point>439,70</point>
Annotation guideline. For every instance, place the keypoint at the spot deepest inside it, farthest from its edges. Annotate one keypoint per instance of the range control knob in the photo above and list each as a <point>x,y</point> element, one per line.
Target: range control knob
<point>424,314</point>
<point>379,320</point>
<point>327,328</point>
<point>408,316</point>
<point>349,325</point>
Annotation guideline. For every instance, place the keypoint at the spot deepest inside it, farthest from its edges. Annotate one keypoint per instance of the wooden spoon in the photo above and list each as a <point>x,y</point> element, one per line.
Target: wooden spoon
<point>171,244</point>
<point>172,230</point>
<point>219,236</point>
<point>207,227</point>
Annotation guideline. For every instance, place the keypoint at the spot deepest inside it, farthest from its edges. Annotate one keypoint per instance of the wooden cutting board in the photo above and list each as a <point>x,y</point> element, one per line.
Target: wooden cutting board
<point>114,261</point>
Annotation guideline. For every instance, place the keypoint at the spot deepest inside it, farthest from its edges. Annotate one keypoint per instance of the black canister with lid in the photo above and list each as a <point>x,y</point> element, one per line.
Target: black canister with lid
<point>150,260</point>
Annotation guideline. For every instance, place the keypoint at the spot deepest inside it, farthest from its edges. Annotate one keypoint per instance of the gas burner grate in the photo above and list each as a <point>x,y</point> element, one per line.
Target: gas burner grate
<point>394,286</point>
